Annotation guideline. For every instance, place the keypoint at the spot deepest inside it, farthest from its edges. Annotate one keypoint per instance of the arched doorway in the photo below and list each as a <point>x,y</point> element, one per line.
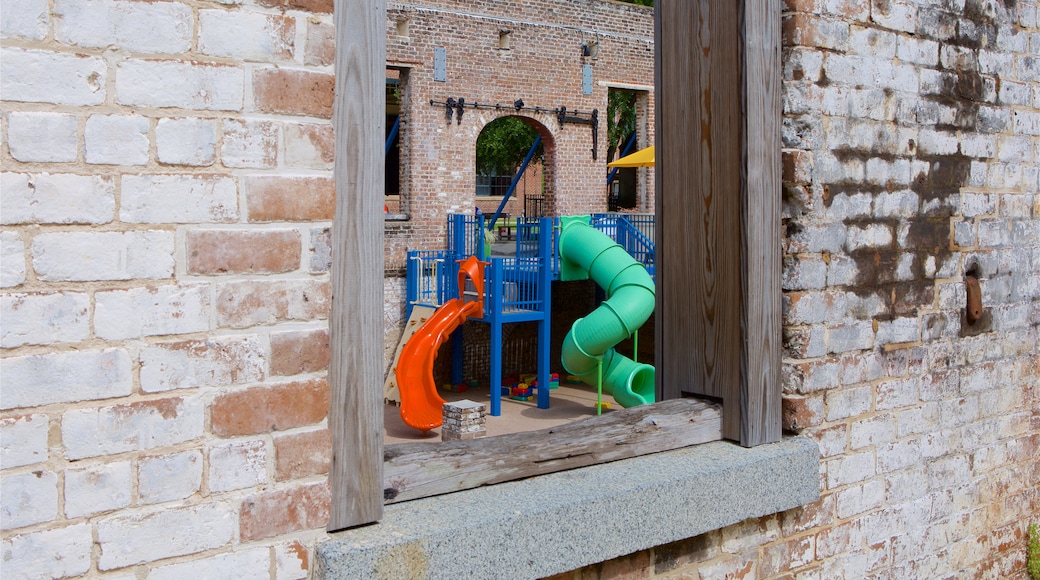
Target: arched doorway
<point>514,168</point>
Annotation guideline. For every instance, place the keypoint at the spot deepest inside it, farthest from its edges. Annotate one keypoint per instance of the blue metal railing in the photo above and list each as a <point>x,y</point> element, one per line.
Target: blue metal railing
<point>513,281</point>
<point>466,236</point>
<point>633,232</point>
<point>431,279</point>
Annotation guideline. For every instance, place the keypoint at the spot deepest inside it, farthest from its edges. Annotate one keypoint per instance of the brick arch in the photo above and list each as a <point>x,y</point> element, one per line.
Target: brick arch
<point>548,166</point>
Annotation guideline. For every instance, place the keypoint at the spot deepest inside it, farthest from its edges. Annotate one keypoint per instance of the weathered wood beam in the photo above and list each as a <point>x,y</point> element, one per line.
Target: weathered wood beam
<point>718,175</point>
<point>760,228</point>
<point>698,204</point>
<point>414,470</point>
<point>356,317</point>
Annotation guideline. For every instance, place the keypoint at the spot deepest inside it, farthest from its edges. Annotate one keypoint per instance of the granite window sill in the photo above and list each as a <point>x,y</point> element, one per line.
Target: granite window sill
<point>562,521</point>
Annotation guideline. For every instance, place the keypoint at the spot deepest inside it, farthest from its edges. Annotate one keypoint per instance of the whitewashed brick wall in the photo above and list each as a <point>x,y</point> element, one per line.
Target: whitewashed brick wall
<point>129,130</point>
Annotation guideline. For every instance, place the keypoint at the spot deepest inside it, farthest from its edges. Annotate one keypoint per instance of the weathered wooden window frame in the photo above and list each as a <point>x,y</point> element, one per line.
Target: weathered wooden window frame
<point>718,198</point>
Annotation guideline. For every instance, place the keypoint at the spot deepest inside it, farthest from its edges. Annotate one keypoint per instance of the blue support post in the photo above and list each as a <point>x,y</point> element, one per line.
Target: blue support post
<point>482,249</point>
<point>458,235</point>
<point>545,248</point>
<point>516,179</point>
<point>628,147</point>
<point>393,134</point>
<point>411,285</point>
<point>495,289</point>
<point>456,335</point>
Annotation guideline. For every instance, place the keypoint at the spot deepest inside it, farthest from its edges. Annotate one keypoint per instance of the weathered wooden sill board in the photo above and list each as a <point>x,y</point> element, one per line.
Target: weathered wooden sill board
<point>415,470</point>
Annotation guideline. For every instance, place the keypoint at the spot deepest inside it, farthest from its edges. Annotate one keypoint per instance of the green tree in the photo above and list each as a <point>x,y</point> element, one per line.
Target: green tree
<point>621,119</point>
<point>503,144</point>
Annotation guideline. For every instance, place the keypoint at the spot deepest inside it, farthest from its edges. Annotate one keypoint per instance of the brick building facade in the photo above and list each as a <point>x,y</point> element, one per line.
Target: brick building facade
<point>530,53</point>
<point>164,390</point>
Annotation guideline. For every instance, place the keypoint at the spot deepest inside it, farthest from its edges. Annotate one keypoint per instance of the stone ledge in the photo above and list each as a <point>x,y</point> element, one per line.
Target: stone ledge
<point>554,523</point>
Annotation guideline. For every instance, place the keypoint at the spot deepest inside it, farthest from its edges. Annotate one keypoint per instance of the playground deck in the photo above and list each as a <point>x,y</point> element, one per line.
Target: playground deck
<point>516,287</point>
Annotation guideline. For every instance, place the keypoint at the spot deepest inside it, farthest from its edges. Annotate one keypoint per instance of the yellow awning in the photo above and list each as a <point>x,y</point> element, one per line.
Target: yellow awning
<point>642,158</point>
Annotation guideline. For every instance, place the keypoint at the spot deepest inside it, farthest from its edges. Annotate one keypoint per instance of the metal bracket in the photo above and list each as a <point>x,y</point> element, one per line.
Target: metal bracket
<point>592,121</point>
<point>449,109</point>
<point>457,108</point>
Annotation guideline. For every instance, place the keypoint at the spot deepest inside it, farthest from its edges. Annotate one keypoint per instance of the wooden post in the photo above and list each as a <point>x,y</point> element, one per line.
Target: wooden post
<point>356,321</point>
<point>760,257</point>
<point>718,146</point>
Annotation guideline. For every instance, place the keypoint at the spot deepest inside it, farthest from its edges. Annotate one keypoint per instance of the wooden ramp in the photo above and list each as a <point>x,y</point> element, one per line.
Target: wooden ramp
<point>420,314</point>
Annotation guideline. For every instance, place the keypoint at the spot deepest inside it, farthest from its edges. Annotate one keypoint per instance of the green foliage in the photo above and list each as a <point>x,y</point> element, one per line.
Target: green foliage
<point>640,2</point>
<point>1033,552</point>
<point>503,144</point>
<point>621,119</point>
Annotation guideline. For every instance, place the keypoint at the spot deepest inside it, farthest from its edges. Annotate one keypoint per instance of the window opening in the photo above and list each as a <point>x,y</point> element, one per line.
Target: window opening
<point>757,167</point>
<point>502,147</point>
<point>394,205</point>
<point>623,137</point>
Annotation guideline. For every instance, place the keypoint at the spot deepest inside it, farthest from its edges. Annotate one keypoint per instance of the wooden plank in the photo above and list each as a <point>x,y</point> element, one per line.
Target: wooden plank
<point>698,210</point>
<point>760,415</point>
<point>415,470</point>
<point>356,318</point>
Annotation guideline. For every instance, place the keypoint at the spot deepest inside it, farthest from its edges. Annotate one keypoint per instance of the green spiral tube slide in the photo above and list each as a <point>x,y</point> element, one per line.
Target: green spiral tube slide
<point>587,253</point>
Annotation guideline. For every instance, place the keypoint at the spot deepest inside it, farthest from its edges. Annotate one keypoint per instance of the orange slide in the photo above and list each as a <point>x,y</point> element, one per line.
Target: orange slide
<point>421,405</point>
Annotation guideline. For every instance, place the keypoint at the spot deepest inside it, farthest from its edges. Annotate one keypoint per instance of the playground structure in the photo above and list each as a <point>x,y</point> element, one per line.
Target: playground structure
<point>465,282</point>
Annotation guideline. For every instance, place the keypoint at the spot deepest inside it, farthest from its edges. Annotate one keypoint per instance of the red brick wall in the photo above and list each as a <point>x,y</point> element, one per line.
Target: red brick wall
<point>543,67</point>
